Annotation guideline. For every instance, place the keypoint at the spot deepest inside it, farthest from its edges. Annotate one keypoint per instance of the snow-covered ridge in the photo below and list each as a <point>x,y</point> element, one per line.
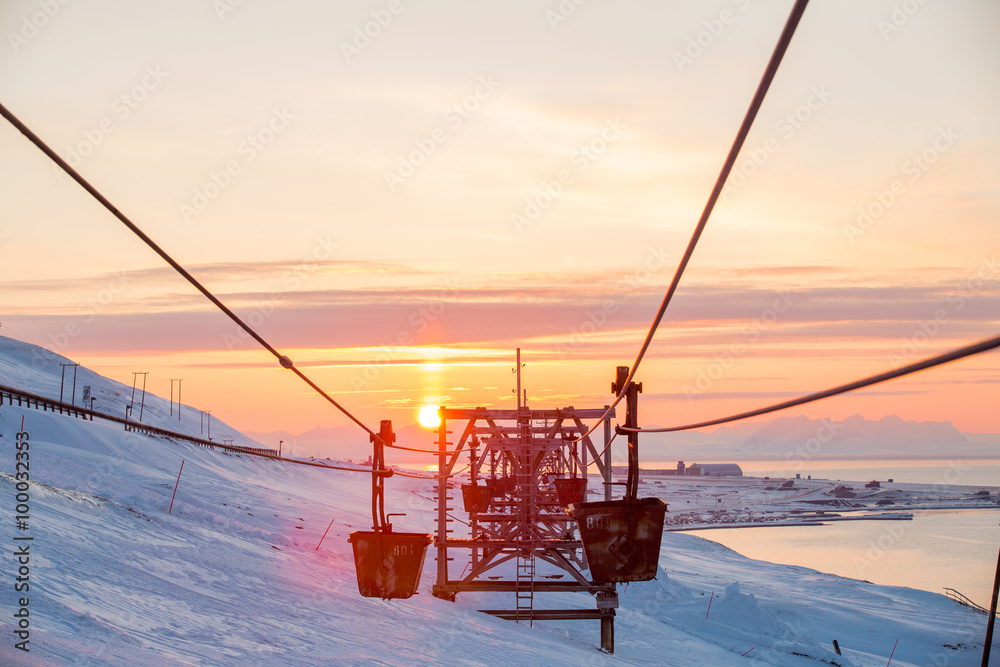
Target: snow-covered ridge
<point>800,438</point>
<point>34,369</point>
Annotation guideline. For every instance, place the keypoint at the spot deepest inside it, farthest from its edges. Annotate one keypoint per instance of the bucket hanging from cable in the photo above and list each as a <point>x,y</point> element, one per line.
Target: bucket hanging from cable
<point>388,564</point>
<point>621,538</point>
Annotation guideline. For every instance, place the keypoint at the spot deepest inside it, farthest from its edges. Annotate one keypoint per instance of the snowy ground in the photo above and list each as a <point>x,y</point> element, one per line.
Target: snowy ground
<point>233,576</point>
<point>702,502</point>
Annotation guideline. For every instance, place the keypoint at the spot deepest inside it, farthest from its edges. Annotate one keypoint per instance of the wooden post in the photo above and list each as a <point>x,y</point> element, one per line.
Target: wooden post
<point>325,532</point>
<point>442,488</point>
<point>993,615</point>
<point>176,484</point>
<point>607,455</point>
<point>608,630</point>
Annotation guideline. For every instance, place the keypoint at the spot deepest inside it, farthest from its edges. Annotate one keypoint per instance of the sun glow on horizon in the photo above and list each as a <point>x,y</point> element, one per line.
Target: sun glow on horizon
<point>428,416</point>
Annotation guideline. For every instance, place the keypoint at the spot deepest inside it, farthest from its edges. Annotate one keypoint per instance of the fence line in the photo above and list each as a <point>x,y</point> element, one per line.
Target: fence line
<point>27,399</point>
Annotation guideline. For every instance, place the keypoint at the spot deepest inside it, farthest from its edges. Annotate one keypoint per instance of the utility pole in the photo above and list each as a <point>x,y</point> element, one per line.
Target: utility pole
<point>142,402</point>
<point>178,381</point>
<point>131,404</point>
<point>63,378</point>
<point>518,378</point>
<point>517,392</point>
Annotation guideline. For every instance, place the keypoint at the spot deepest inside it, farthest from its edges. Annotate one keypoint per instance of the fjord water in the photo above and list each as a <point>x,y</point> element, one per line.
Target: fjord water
<point>937,549</point>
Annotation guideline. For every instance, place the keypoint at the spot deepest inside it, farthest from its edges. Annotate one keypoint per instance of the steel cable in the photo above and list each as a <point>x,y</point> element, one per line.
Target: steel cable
<point>282,359</point>
<point>758,99</point>
<point>954,355</point>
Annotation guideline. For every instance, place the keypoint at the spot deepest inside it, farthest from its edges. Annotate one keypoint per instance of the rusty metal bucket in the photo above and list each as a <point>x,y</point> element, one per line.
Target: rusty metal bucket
<point>388,565</point>
<point>571,490</point>
<point>621,539</point>
<point>500,486</point>
<point>476,498</point>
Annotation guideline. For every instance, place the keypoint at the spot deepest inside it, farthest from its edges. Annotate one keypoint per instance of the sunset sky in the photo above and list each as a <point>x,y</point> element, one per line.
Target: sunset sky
<point>400,194</point>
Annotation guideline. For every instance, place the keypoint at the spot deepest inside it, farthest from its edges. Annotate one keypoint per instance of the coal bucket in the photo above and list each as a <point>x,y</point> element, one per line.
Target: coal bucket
<point>571,490</point>
<point>621,538</point>
<point>476,498</point>
<point>388,564</point>
<point>500,486</point>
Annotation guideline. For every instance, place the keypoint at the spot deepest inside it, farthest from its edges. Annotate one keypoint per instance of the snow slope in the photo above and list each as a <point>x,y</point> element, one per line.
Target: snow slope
<point>233,576</point>
<point>37,370</point>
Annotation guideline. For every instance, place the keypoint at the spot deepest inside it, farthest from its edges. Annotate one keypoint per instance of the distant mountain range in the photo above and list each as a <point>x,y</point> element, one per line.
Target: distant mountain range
<point>784,438</point>
<point>802,438</point>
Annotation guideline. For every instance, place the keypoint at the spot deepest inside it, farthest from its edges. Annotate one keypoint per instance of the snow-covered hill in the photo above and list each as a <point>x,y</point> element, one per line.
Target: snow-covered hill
<point>233,575</point>
<point>37,370</point>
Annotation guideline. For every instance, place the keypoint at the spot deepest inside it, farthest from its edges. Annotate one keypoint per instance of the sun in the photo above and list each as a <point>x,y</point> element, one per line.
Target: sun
<point>428,416</point>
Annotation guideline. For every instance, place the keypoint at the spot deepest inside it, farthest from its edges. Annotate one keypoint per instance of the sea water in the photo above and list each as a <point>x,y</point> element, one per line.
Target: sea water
<point>936,550</point>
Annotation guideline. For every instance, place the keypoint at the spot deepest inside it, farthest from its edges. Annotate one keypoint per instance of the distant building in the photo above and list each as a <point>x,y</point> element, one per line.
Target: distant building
<point>714,470</point>
<point>699,469</point>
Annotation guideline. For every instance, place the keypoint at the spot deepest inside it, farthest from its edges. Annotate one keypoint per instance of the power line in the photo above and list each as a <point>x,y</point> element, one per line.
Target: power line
<point>758,99</point>
<point>954,355</point>
<point>282,359</point>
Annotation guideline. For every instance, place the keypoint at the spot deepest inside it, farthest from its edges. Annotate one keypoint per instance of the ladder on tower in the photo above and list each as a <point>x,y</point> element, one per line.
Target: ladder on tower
<point>524,590</point>
<point>527,485</point>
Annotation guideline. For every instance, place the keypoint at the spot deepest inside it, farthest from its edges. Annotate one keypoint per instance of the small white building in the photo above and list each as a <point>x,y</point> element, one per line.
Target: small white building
<point>714,470</point>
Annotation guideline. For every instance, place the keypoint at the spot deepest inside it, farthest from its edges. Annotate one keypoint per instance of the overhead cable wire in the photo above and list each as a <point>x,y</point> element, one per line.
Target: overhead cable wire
<point>954,355</point>
<point>448,476</point>
<point>606,447</point>
<point>282,359</point>
<point>758,99</point>
<point>414,449</point>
